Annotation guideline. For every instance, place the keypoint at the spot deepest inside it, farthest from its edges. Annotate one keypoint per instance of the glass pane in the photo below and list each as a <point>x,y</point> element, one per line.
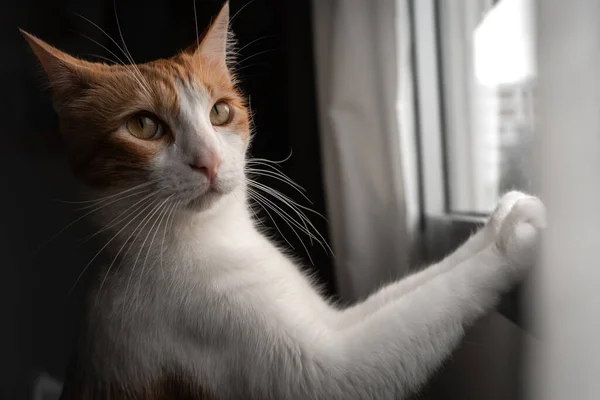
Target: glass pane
<point>487,71</point>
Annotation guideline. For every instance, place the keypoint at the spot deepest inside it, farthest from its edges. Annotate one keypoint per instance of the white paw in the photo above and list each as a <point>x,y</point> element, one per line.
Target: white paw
<point>520,232</point>
<point>505,204</point>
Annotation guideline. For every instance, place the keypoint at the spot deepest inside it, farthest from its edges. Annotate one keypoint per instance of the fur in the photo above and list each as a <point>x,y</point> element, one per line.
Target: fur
<point>198,303</point>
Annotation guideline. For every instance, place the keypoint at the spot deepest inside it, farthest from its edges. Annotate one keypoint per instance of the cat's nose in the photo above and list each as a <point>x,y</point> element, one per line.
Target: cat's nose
<point>208,165</point>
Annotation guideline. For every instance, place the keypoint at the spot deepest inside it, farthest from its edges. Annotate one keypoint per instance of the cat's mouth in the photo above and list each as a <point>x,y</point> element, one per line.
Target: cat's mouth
<point>207,197</point>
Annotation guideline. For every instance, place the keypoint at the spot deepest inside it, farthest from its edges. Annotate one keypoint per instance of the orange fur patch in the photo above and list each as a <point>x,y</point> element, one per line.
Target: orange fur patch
<point>94,100</point>
<point>171,385</point>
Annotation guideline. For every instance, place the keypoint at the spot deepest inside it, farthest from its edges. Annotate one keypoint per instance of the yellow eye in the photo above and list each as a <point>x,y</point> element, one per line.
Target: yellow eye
<point>221,114</point>
<point>145,127</point>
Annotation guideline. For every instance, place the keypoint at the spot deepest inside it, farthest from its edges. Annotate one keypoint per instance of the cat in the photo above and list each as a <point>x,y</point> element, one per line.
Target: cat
<point>211,308</point>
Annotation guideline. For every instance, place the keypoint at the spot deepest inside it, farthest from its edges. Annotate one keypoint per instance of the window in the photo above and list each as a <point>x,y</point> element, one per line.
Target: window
<point>486,54</point>
<point>474,73</point>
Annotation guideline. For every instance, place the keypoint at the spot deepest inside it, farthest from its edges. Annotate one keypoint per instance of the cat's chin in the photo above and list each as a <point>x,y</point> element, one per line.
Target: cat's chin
<point>207,197</point>
<point>206,201</point>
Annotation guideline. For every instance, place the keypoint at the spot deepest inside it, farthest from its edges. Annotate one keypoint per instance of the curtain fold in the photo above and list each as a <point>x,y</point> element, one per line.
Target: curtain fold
<point>362,52</point>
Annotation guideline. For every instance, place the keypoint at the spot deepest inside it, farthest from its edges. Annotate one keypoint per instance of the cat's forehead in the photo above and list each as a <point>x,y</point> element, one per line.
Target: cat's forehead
<point>206,75</point>
<point>191,84</point>
<point>166,86</point>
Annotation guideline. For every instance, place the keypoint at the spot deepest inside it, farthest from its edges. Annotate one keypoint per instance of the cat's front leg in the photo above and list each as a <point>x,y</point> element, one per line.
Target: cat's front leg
<point>477,242</point>
<point>393,352</point>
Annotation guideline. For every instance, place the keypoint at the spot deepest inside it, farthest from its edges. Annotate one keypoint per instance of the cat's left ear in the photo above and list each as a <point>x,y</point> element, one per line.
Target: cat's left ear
<point>215,41</point>
<point>67,75</point>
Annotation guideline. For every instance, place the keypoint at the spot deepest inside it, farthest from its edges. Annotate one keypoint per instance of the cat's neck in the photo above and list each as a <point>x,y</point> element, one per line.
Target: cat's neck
<point>230,215</point>
<point>178,226</point>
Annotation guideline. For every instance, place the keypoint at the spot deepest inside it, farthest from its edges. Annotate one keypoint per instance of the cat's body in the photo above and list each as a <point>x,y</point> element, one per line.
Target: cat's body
<point>228,315</point>
<point>220,283</point>
<point>202,304</point>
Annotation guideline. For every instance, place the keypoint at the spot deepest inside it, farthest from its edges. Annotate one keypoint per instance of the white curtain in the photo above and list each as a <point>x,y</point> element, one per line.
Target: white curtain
<point>567,285</point>
<point>368,148</point>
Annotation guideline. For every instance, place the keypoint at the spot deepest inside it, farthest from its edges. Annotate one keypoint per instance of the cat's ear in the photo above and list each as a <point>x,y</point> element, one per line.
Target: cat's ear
<point>67,75</point>
<point>214,43</point>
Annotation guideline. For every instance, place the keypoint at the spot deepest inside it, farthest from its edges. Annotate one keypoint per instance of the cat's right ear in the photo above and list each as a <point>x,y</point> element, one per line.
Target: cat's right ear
<point>216,41</point>
<point>66,75</point>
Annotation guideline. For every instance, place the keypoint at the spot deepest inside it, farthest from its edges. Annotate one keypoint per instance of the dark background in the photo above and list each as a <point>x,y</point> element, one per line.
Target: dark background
<point>39,315</point>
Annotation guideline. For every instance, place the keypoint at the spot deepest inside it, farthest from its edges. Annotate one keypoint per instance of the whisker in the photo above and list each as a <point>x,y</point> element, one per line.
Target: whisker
<point>123,246</point>
<point>122,63</point>
<point>281,212</point>
<point>252,56</point>
<point>265,160</point>
<point>288,199</point>
<point>111,224</point>
<point>172,222</point>
<point>162,246</point>
<point>110,60</point>
<point>127,52</point>
<point>273,170</point>
<point>101,30</point>
<point>250,113</point>
<point>266,190</point>
<point>239,11</point>
<point>134,235</point>
<point>251,208</point>
<point>112,195</point>
<point>132,66</point>
<point>196,22</point>
<point>147,219</point>
<point>114,200</point>
<point>281,178</point>
<point>97,208</point>
<point>294,206</point>
<point>103,46</point>
<point>172,219</point>
<point>251,194</point>
<point>106,245</point>
<point>254,41</point>
<point>241,76</point>
<point>287,220</point>
<point>275,173</point>
<point>304,228</point>
<point>162,212</point>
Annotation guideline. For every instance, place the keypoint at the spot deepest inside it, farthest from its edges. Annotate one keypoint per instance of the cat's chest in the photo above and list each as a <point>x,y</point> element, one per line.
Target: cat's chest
<point>208,282</point>
<point>249,272</point>
<point>221,260</point>
<point>200,298</point>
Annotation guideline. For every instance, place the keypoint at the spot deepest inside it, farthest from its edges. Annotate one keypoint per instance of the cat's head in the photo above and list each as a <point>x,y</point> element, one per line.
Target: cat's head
<point>177,125</point>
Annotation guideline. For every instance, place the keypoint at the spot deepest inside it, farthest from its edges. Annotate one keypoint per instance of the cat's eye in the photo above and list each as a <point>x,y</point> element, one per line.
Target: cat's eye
<point>144,126</point>
<point>221,114</point>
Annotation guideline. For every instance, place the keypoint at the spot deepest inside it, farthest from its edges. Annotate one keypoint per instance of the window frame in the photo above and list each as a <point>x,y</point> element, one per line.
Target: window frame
<point>443,229</point>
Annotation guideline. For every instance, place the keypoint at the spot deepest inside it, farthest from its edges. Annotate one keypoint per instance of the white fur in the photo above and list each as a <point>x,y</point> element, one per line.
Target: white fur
<point>220,302</point>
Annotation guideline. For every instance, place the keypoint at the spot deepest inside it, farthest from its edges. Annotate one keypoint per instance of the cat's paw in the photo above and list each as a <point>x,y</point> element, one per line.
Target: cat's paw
<point>519,235</point>
<point>503,208</point>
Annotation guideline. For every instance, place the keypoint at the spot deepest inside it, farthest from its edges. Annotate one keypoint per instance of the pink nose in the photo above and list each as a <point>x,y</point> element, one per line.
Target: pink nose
<point>209,166</point>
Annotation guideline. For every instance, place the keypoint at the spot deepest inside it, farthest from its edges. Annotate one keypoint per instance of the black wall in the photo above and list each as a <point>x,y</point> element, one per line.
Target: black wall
<point>39,314</point>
